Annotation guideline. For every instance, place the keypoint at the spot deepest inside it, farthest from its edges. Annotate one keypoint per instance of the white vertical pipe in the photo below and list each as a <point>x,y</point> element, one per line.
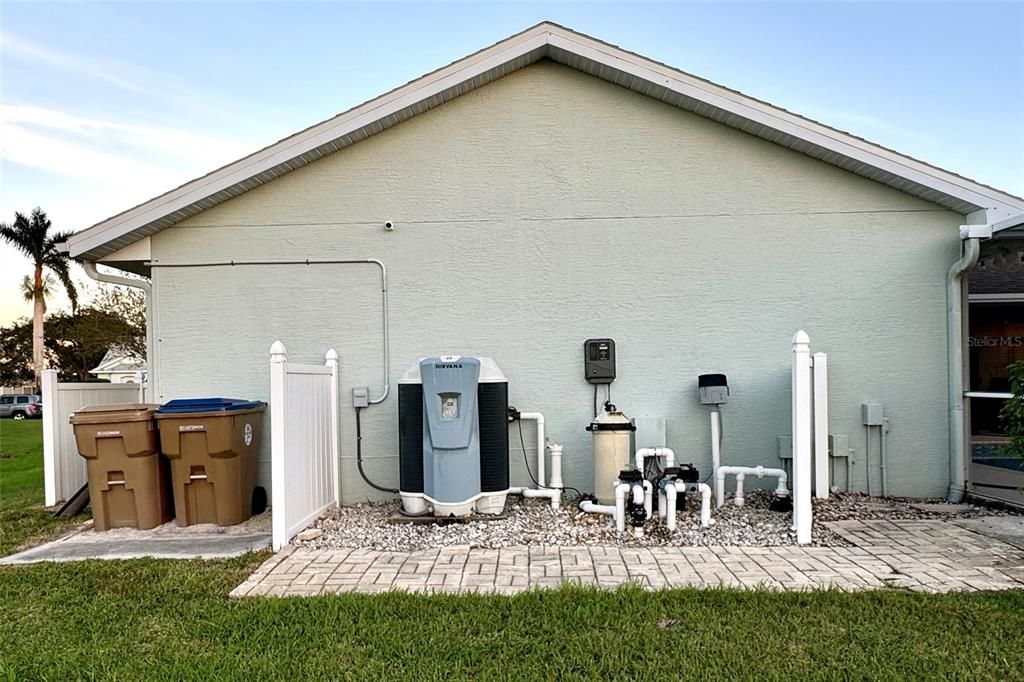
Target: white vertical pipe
<point>802,428</point>
<point>719,487</point>
<point>556,475</point>
<point>821,487</point>
<point>51,435</point>
<point>738,500</point>
<point>669,495</point>
<point>705,504</point>
<point>621,491</point>
<point>278,487</point>
<point>716,448</point>
<point>331,361</point>
<point>539,418</point>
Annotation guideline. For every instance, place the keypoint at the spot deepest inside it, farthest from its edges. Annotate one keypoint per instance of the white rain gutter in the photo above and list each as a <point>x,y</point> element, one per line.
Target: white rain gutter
<point>93,273</point>
<point>971,236</point>
<point>742,472</point>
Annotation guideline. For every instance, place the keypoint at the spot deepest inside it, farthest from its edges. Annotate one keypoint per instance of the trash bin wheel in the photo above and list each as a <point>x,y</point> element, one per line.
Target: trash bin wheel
<point>259,500</point>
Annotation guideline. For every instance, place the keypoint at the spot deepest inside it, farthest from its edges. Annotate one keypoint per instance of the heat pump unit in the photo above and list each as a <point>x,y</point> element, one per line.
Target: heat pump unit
<point>453,436</point>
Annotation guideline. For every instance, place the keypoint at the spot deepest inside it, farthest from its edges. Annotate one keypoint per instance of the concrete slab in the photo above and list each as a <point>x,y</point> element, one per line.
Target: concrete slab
<point>1009,529</point>
<point>169,541</point>
<point>88,545</point>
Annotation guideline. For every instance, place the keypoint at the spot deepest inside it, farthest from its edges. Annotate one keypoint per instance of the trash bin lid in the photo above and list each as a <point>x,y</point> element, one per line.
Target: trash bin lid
<point>114,412</point>
<point>190,405</point>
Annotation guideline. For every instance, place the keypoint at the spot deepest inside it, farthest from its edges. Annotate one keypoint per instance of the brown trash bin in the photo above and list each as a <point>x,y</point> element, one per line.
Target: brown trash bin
<point>129,482</point>
<point>213,446</point>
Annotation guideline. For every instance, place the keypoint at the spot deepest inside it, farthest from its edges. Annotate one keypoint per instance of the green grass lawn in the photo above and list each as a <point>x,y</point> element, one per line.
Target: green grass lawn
<point>153,619</point>
<point>22,517</point>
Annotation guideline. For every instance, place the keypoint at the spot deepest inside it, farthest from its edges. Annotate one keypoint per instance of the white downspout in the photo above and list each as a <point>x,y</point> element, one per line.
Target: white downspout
<point>93,273</point>
<point>954,344</point>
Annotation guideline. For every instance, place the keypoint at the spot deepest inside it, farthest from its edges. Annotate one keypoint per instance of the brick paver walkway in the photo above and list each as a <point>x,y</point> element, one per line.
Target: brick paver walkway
<point>933,556</point>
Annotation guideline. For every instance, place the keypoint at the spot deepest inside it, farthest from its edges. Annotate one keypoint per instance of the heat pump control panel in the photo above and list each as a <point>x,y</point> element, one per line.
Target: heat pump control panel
<point>599,360</point>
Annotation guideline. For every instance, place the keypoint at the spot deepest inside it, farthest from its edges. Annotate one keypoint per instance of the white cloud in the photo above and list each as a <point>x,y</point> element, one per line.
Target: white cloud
<point>98,70</point>
<point>65,144</point>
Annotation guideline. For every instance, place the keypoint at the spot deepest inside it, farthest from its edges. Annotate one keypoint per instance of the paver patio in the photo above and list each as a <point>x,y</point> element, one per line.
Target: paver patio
<point>931,556</point>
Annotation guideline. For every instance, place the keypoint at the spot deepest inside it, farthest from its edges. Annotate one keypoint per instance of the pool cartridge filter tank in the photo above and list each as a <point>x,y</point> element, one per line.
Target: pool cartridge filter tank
<point>453,436</point>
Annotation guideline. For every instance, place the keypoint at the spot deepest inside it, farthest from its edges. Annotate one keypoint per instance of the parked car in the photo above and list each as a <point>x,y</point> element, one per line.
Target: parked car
<point>21,406</point>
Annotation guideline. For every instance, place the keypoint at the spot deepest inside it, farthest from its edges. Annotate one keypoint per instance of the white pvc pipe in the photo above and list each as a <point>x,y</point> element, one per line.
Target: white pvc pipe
<point>621,491</point>
<point>648,498</point>
<point>716,445</point>
<point>740,472</point>
<point>554,491</point>
<point>672,492</point>
<point>705,504</point>
<point>595,508</point>
<point>646,453</point>
<point>539,418</point>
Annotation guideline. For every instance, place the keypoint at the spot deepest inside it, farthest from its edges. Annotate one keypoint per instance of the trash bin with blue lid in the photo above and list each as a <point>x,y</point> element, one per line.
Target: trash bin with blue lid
<point>213,445</point>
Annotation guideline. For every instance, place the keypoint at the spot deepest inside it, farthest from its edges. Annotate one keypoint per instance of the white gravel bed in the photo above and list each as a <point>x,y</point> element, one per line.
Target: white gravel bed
<point>532,522</point>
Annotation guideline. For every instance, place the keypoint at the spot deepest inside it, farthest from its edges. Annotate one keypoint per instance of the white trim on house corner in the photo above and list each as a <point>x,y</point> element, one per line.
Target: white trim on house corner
<point>550,41</point>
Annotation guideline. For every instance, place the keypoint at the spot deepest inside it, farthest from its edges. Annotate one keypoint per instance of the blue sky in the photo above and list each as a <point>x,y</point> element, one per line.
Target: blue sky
<point>105,105</point>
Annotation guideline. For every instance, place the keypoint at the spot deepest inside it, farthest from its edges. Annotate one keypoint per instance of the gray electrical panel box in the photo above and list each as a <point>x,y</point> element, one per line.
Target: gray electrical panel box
<point>599,360</point>
<point>873,414</point>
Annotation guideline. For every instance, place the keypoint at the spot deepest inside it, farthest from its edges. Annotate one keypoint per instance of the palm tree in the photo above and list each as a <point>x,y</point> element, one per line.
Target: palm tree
<point>33,238</point>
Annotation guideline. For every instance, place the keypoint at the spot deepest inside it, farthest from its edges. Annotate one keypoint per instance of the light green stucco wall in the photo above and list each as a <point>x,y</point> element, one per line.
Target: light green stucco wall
<point>551,207</point>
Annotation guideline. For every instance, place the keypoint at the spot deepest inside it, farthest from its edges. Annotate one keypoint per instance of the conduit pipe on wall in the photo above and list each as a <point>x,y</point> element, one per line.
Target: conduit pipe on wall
<point>673,491</point>
<point>92,272</point>
<point>386,379</point>
<point>954,345</point>
<point>741,472</point>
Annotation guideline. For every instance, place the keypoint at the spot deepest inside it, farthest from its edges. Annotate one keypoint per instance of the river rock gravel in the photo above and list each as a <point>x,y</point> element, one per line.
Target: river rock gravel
<point>532,522</point>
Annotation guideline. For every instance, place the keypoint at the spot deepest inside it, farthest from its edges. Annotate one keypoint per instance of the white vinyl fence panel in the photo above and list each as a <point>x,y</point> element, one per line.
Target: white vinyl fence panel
<point>63,468</point>
<point>303,442</point>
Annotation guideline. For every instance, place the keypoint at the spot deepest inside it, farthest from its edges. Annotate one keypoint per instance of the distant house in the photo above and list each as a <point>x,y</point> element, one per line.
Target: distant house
<point>552,188</point>
<point>119,367</point>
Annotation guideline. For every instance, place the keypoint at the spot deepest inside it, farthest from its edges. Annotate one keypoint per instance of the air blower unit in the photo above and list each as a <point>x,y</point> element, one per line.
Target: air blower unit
<point>453,436</point>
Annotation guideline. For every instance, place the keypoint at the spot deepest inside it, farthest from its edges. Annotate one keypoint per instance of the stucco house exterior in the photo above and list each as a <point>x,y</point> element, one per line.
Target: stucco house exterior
<point>553,188</point>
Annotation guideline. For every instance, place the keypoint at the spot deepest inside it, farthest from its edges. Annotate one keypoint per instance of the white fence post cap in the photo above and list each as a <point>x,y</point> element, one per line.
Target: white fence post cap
<point>801,338</point>
<point>277,352</point>
<point>332,357</point>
